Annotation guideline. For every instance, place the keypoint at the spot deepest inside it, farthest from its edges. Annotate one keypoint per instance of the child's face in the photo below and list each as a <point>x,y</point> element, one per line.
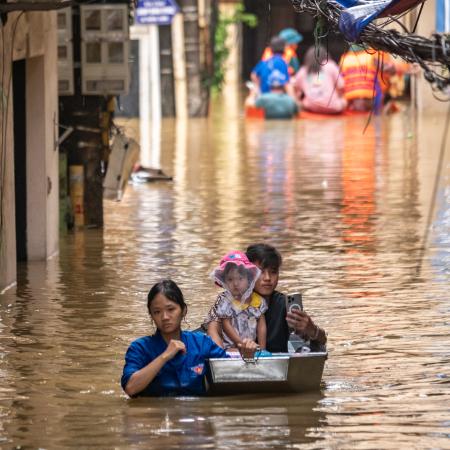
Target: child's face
<point>236,282</point>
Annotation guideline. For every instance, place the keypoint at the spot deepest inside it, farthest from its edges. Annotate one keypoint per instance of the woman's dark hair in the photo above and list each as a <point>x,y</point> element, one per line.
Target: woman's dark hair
<point>315,58</point>
<point>265,255</point>
<point>170,290</point>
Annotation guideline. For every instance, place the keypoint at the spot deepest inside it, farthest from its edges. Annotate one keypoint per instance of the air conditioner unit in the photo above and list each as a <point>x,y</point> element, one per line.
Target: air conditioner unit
<point>104,49</point>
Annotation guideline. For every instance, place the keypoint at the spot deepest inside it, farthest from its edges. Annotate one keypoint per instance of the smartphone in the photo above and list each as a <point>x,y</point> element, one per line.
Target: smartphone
<point>294,302</point>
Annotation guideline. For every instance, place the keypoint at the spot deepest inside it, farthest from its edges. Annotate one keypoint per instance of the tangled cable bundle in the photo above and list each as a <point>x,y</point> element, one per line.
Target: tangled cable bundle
<point>433,54</point>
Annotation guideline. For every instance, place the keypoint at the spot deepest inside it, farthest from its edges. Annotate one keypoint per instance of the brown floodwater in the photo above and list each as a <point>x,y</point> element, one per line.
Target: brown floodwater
<point>349,212</point>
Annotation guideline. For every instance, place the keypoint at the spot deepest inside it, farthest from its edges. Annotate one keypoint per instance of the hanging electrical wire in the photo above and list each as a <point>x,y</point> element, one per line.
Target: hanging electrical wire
<point>432,54</point>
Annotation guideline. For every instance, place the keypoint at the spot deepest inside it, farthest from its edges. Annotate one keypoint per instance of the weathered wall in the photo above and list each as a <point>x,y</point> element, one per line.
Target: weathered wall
<point>7,212</point>
<point>233,66</point>
<point>34,38</point>
<point>424,97</point>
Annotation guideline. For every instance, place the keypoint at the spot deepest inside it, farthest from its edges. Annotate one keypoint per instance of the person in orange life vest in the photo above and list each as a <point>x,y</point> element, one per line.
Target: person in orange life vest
<point>292,38</point>
<point>363,73</point>
<point>261,72</point>
<point>395,82</point>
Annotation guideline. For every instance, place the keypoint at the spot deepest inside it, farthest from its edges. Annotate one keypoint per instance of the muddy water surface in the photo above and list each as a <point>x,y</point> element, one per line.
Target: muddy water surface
<point>347,210</point>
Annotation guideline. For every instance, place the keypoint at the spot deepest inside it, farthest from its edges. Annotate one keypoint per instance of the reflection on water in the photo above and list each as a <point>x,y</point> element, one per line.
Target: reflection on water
<point>347,209</point>
<point>229,423</point>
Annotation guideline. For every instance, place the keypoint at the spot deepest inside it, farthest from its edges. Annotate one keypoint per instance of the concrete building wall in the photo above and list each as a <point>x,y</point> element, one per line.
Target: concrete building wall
<point>233,64</point>
<point>7,202</point>
<point>425,100</point>
<point>34,38</point>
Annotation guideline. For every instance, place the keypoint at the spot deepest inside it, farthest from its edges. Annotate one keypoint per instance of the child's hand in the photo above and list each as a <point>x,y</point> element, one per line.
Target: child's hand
<point>173,348</point>
<point>248,348</point>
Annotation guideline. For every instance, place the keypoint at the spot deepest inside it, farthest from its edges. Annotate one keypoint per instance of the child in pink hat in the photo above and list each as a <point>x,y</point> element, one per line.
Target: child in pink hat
<point>240,310</point>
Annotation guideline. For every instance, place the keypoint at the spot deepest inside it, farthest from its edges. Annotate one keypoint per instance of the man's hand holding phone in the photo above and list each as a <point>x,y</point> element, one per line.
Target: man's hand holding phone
<point>294,302</point>
<point>294,305</point>
<point>300,322</point>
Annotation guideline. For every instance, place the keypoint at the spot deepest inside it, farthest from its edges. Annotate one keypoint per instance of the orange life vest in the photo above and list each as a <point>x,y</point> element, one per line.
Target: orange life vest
<point>288,54</point>
<point>359,70</point>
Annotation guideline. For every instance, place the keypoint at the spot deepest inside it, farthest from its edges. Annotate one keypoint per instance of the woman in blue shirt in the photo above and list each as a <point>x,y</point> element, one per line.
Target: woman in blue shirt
<point>172,361</point>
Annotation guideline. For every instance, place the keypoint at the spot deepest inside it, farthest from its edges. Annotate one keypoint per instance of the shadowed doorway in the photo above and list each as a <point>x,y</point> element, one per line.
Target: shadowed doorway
<point>20,157</point>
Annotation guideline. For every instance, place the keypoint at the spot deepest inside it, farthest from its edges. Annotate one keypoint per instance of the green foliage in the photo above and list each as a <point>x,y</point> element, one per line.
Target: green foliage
<point>221,51</point>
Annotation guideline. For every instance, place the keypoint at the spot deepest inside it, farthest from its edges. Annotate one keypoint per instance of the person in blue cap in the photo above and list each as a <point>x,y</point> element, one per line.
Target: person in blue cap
<point>291,39</point>
<point>277,104</point>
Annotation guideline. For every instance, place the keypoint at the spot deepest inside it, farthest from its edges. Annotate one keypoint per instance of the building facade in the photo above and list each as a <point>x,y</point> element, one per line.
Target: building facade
<point>435,18</point>
<point>29,157</point>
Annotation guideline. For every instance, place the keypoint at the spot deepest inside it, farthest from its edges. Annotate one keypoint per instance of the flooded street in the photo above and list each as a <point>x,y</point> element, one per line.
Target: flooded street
<point>348,210</point>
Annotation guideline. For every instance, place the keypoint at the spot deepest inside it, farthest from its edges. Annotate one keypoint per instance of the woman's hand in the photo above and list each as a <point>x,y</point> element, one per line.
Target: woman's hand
<point>143,377</point>
<point>173,348</point>
<point>248,348</point>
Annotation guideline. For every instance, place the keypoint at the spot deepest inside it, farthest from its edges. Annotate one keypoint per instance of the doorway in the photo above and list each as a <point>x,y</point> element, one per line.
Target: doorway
<point>20,156</point>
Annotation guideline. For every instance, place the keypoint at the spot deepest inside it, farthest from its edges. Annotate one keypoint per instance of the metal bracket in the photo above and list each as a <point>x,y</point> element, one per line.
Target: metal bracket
<point>68,131</point>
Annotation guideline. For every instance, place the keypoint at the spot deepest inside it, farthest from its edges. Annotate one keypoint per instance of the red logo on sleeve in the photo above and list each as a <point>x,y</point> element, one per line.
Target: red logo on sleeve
<point>198,369</point>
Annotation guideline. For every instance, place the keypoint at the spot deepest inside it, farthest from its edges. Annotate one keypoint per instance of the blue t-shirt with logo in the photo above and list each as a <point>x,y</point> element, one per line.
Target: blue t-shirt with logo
<point>264,68</point>
<point>183,374</point>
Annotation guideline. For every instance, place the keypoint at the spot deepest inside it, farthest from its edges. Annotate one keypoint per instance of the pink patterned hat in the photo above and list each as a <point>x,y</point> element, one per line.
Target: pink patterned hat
<point>238,259</point>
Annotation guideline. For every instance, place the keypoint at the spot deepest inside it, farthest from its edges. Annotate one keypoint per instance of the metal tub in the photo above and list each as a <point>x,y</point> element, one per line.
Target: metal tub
<point>282,372</point>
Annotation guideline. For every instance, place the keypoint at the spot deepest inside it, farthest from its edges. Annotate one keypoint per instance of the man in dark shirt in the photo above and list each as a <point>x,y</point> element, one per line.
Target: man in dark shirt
<point>278,321</point>
<point>277,327</point>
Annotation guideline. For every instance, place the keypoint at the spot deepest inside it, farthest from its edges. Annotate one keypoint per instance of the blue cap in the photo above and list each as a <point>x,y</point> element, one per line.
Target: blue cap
<point>290,36</point>
<point>277,79</point>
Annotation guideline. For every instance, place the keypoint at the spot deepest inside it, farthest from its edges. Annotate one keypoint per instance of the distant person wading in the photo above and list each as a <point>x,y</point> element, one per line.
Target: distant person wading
<point>262,71</point>
<point>277,104</point>
<point>318,85</point>
<point>291,39</point>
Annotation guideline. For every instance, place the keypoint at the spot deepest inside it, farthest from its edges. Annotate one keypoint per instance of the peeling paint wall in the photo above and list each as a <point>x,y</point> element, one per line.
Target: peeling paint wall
<point>426,27</point>
<point>33,37</point>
